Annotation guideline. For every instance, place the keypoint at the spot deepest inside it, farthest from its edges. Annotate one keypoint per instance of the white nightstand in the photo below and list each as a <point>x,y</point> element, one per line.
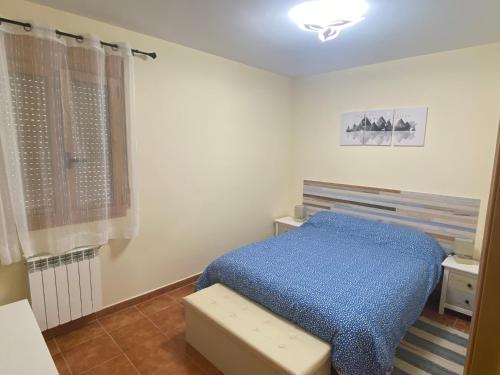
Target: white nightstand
<point>459,286</point>
<point>284,224</point>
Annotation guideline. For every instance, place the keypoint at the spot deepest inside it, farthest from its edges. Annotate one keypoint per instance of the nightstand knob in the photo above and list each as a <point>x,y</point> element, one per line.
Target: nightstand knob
<point>467,302</point>
<point>469,285</point>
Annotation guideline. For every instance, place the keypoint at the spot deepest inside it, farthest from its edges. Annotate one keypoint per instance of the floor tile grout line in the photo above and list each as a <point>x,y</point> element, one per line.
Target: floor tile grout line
<point>81,343</point>
<point>89,369</point>
<point>100,364</point>
<point>164,335</point>
<point>62,356</point>
<point>57,345</point>
<point>120,348</point>
<point>160,334</point>
<point>152,299</point>
<point>127,308</point>
<point>152,322</point>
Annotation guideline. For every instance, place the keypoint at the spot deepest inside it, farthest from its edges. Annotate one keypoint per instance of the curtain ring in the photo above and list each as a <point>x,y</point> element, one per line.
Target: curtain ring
<point>28,27</point>
<point>79,39</point>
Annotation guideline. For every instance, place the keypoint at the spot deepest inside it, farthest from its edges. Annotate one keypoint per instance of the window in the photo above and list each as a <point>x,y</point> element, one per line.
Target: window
<point>69,112</point>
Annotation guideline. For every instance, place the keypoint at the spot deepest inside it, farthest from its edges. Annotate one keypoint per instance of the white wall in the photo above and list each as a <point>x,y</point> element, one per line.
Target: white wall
<point>214,141</point>
<point>461,89</point>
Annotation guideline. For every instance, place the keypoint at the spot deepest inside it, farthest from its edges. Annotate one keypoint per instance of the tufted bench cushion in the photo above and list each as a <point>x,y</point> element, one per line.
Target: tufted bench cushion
<point>241,337</point>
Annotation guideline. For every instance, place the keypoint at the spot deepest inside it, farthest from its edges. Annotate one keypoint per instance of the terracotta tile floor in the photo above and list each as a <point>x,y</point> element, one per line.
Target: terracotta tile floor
<point>148,339</point>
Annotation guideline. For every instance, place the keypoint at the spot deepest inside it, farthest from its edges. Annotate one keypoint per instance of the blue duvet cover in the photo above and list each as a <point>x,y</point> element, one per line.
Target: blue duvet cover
<point>354,283</point>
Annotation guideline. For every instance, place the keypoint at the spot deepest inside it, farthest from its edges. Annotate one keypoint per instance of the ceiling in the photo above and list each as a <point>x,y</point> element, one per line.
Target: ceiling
<point>259,32</point>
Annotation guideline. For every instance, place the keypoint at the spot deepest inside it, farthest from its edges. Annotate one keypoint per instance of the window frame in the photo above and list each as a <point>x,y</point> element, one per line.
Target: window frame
<point>58,70</point>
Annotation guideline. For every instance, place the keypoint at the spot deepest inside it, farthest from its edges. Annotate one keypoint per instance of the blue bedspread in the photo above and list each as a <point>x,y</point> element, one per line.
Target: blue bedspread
<point>355,283</point>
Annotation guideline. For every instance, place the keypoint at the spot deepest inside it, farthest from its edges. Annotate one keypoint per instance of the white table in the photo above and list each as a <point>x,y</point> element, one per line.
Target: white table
<point>22,348</point>
<point>284,224</point>
<point>459,286</point>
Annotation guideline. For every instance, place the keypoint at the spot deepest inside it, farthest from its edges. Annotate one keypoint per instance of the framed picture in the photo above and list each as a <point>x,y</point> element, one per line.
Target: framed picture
<point>351,129</point>
<point>378,127</point>
<point>409,126</point>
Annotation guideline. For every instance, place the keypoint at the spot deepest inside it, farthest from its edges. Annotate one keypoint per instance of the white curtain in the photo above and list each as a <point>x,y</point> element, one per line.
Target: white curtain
<point>66,143</point>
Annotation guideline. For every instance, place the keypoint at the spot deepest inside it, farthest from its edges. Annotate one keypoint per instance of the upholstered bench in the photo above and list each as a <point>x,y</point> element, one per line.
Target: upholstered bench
<point>241,337</point>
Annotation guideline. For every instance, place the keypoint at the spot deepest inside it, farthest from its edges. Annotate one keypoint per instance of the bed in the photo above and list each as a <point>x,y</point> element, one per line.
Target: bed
<point>358,284</point>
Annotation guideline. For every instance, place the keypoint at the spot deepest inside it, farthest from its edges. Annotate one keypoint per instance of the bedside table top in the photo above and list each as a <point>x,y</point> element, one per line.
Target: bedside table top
<point>450,262</point>
<point>288,220</point>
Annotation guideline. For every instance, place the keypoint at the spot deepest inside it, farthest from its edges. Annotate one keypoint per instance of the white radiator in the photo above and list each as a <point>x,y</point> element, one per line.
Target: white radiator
<point>65,287</point>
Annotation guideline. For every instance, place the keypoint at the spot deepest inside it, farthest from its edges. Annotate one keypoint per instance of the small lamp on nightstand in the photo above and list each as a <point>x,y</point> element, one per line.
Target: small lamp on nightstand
<point>464,250</point>
<point>300,212</point>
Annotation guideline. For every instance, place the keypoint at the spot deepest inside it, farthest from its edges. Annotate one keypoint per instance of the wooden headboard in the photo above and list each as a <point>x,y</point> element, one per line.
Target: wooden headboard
<point>442,217</point>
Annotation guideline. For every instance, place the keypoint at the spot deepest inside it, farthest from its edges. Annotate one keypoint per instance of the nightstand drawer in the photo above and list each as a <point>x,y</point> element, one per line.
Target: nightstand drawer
<point>460,298</point>
<point>462,282</point>
<point>459,285</point>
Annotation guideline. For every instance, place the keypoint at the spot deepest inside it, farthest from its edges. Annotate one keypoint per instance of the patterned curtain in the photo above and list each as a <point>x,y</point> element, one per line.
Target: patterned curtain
<point>66,143</point>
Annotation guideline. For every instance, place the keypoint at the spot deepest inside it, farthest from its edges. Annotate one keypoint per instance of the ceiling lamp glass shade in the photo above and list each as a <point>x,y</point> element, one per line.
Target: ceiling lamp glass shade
<point>328,17</point>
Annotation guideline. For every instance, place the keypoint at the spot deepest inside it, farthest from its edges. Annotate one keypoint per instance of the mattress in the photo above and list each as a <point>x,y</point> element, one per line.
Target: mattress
<point>354,283</point>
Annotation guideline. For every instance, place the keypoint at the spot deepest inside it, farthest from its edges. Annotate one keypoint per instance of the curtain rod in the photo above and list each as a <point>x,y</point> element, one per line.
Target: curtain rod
<point>27,26</point>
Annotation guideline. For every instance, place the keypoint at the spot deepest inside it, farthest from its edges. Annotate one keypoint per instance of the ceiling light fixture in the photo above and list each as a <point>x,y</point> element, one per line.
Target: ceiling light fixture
<point>328,17</point>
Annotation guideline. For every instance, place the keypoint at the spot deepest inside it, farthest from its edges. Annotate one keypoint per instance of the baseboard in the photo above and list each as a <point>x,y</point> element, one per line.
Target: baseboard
<point>75,324</point>
<point>147,295</point>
